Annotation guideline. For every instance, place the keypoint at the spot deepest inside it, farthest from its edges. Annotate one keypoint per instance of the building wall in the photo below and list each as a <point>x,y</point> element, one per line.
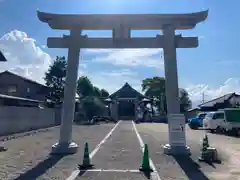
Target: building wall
<point>235,99</point>
<point>22,87</point>
<point>20,119</point>
<point>192,114</point>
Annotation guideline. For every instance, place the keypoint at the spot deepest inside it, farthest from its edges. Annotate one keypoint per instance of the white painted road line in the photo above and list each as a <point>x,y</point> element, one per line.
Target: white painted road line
<point>103,141</point>
<point>114,170</point>
<point>154,174</point>
<point>75,173</point>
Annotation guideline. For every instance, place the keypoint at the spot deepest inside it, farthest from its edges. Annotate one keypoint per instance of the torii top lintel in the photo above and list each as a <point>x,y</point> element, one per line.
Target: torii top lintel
<point>131,21</point>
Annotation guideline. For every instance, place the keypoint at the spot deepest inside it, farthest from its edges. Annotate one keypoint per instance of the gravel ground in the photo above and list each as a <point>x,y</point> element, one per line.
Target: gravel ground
<point>27,157</point>
<point>156,135</point>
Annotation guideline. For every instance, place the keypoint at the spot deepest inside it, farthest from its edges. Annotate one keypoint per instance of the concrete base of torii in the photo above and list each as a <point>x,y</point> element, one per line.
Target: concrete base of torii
<point>177,137</point>
<point>59,148</point>
<point>182,150</point>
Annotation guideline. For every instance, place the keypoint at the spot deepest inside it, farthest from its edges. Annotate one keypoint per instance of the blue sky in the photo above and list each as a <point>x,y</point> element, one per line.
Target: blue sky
<point>211,68</point>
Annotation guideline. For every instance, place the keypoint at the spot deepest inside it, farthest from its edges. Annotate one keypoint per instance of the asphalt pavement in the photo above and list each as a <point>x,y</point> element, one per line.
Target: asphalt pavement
<point>116,153</point>
<point>121,151</point>
<point>120,157</point>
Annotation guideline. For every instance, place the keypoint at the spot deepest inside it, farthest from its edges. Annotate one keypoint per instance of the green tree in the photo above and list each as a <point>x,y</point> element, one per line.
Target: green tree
<point>185,102</point>
<point>96,92</point>
<point>155,88</point>
<point>55,79</point>
<point>92,106</point>
<point>90,97</point>
<point>104,93</point>
<point>84,87</point>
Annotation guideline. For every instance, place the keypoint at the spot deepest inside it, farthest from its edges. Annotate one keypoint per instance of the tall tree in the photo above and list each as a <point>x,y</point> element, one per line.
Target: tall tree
<point>55,79</point>
<point>185,102</point>
<point>92,106</point>
<point>84,87</point>
<point>96,91</point>
<point>90,97</point>
<point>155,88</point>
<point>104,93</point>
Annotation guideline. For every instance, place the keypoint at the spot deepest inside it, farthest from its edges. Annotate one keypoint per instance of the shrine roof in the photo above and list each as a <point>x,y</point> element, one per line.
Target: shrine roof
<point>126,91</point>
<point>131,21</point>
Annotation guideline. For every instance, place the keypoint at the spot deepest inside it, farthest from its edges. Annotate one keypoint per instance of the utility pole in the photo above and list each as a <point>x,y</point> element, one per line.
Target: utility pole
<point>203,97</point>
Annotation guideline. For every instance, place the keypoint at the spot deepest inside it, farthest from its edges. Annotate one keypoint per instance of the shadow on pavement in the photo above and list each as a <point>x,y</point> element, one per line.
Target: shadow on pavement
<point>40,168</point>
<point>147,174</point>
<point>82,172</point>
<point>191,168</point>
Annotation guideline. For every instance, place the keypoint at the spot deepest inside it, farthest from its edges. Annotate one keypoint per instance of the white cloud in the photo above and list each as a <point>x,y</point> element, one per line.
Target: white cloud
<point>23,56</point>
<point>196,91</point>
<point>131,57</point>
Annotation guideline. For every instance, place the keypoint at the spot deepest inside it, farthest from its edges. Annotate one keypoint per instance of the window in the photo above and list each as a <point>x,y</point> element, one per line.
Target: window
<point>12,88</point>
<point>28,90</point>
<point>218,116</point>
<point>209,115</point>
<point>202,115</point>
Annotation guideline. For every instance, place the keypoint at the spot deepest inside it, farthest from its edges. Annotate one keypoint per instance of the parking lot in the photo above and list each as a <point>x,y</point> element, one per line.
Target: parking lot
<point>119,156</point>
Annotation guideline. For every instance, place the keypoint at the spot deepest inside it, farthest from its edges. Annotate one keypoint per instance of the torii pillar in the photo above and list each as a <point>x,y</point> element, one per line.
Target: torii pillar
<point>172,95</point>
<point>65,144</point>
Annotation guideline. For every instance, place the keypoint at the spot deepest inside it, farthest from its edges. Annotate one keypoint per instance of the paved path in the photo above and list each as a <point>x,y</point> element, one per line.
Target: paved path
<point>121,151</point>
<point>117,157</point>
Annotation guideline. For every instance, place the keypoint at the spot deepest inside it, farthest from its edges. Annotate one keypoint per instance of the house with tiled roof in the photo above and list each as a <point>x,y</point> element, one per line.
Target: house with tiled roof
<point>14,85</point>
<point>225,101</point>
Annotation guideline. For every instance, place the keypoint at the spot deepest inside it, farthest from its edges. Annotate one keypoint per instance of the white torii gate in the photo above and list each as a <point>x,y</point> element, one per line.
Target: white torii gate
<point>121,26</point>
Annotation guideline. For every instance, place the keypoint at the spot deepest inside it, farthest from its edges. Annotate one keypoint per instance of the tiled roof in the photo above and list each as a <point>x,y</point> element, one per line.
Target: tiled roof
<point>26,79</point>
<point>193,109</point>
<point>3,96</point>
<point>221,99</point>
<point>126,91</point>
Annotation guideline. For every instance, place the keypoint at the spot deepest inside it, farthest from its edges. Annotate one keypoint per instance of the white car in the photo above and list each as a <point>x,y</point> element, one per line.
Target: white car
<point>214,121</point>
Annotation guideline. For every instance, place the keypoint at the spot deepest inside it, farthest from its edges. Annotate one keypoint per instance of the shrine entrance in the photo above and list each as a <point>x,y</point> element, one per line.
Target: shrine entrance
<point>126,110</point>
<point>125,100</point>
<point>121,26</point>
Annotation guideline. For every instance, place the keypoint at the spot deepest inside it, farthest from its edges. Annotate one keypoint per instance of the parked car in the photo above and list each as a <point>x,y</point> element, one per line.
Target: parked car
<point>196,122</point>
<point>103,119</point>
<point>225,120</point>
